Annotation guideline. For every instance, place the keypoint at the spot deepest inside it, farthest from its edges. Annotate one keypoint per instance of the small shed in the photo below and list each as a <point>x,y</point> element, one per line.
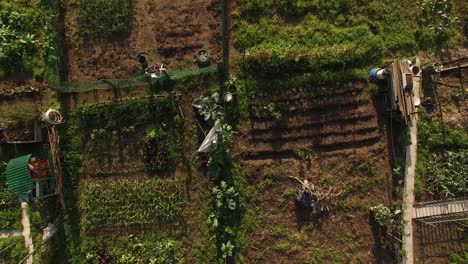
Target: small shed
<point>30,179</point>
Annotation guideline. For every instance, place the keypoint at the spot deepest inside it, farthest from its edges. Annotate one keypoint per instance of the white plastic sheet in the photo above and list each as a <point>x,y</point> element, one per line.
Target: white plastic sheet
<point>211,138</point>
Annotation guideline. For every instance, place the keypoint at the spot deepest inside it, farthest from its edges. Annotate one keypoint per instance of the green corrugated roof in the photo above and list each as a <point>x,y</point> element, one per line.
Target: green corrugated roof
<point>18,179</point>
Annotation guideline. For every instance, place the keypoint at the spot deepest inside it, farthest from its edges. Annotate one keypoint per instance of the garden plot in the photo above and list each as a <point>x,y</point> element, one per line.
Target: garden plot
<point>442,138</point>
<point>331,136</point>
<point>125,139</point>
<point>171,32</point>
<point>449,94</point>
<point>115,153</point>
<point>438,242</point>
<point>108,206</point>
<point>118,224</point>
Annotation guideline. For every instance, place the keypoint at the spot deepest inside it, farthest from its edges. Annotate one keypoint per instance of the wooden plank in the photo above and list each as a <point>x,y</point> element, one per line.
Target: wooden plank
<point>440,209</point>
<point>394,85</point>
<point>401,95</point>
<point>407,95</point>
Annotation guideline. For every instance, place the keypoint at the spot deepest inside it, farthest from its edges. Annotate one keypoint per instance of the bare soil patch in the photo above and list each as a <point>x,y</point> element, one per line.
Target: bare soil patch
<point>170,31</point>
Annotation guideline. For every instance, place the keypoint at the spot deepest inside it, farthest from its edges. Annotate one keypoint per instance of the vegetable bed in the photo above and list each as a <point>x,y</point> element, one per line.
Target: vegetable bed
<point>127,204</point>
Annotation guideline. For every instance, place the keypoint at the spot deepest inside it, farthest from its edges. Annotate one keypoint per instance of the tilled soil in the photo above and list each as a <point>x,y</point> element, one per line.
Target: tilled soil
<point>329,124</point>
<point>340,128</point>
<point>170,31</point>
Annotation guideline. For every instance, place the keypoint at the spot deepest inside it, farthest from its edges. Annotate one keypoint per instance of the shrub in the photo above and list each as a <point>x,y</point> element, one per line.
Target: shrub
<point>159,151</point>
<point>459,258</point>
<point>289,193</point>
<point>12,249</point>
<point>436,22</point>
<point>22,40</point>
<point>447,177</point>
<point>382,215</point>
<point>103,18</point>
<point>129,112</point>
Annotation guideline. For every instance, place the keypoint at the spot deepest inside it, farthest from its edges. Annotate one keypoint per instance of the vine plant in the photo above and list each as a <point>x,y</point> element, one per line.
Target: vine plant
<point>225,214</point>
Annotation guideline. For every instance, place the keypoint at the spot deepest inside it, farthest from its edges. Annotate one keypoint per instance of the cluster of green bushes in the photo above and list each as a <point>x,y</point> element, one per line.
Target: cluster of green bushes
<point>297,36</point>
<point>442,159</point>
<point>160,149</point>
<point>10,212</point>
<point>281,50</point>
<point>436,24</point>
<point>225,213</point>
<point>12,250</point>
<point>131,203</point>
<point>162,140</point>
<point>104,19</point>
<point>131,250</point>
<point>128,113</point>
<point>71,145</point>
<point>24,37</point>
<point>302,82</point>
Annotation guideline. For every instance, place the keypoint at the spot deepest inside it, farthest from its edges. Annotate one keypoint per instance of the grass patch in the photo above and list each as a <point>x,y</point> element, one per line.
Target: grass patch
<point>285,248</point>
<point>272,176</point>
<point>18,110</point>
<point>12,249</point>
<point>104,18</point>
<point>279,230</point>
<point>289,193</point>
<point>10,210</point>
<point>350,241</point>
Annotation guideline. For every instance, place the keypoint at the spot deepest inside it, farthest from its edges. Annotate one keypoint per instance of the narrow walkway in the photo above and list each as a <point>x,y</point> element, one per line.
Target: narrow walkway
<point>27,231</point>
<point>440,208</point>
<point>10,233</point>
<point>408,195</point>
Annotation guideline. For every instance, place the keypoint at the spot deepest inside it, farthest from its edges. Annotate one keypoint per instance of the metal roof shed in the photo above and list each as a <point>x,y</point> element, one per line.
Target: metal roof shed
<point>18,178</point>
<point>30,184</point>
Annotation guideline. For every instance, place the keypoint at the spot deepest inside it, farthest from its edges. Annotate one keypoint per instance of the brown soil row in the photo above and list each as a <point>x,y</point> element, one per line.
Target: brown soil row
<point>344,107</point>
<point>323,101</point>
<point>310,134</point>
<point>310,121</point>
<point>308,96</point>
<point>297,93</point>
<point>325,125</point>
<point>263,150</point>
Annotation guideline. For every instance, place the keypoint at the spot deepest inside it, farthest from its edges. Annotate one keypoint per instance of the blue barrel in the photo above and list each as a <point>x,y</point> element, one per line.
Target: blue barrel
<point>373,74</point>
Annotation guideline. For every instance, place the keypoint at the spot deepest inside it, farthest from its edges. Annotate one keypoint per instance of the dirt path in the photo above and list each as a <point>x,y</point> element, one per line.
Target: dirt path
<point>27,231</point>
<point>408,196</point>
